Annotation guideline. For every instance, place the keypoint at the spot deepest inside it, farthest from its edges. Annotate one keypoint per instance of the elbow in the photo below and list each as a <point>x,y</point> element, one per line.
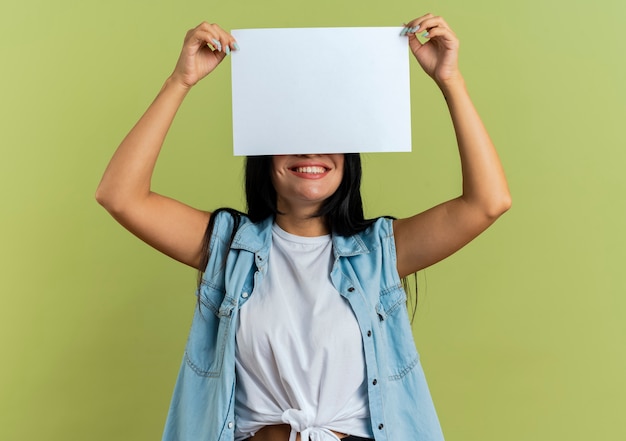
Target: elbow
<point>499,206</point>
<point>110,206</point>
<point>120,200</point>
<point>507,203</point>
<point>103,197</point>
<point>108,200</point>
<point>100,197</point>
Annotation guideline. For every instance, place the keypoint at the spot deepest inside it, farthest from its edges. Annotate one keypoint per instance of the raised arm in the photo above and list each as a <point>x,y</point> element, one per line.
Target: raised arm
<point>164,223</point>
<point>433,235</point>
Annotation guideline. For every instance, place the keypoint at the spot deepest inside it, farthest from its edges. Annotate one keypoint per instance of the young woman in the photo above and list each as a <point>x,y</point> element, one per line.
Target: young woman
<point>301,330</point>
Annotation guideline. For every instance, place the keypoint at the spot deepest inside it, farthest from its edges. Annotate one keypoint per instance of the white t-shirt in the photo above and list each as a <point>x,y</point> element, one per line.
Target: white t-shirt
<point>299,350</point>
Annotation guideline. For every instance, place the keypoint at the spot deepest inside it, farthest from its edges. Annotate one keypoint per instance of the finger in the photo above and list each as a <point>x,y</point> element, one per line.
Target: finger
<point>410,28</point>
<point>443,36</point>
<point>199,36</point>
<point>211,36</point>
<point>224,43</point>
<point>219,55</point>
<point>416,24</point>
<point>233,45</point>
<point>422,24</point>
<point>433,22</point>
<point>414,44</point>
<point>224,40</point>
<point>215,37</point>
<point>425,24</point>
<point>228,42</point>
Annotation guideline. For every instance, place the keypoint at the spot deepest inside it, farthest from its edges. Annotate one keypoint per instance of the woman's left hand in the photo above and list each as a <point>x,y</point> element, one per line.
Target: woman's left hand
<point>439,55</point>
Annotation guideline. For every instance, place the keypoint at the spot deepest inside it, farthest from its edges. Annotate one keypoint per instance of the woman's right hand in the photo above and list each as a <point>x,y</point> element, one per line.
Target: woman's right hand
<point>197,59</point>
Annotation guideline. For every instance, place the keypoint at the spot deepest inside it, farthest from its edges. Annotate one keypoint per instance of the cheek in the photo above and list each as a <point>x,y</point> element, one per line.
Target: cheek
<point>275,172</point>
<point>275,166</point>
<point>337,182</point>
<point>340,164</point>
<point>341,169</point>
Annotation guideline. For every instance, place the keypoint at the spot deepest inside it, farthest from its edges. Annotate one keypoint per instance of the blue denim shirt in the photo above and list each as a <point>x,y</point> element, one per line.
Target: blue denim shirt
<point>364,272</point>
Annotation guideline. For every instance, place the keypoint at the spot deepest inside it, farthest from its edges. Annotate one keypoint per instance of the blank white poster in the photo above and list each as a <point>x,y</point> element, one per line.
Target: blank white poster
<point>320,90</point>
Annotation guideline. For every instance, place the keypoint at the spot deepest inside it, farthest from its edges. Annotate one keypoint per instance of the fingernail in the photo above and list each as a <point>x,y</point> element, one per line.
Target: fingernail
<point>404,31</point>
<point>236,46</point>
<point>227,50</point>
<point>218,45</point>
<point>416,28</point>
<point>425,34</point>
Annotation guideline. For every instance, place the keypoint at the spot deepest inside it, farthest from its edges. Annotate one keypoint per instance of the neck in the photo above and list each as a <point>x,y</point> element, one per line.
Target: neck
<point>303,226</point>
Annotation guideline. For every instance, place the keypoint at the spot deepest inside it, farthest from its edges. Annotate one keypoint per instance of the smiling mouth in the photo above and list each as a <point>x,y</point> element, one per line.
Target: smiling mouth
<point>315,170</point>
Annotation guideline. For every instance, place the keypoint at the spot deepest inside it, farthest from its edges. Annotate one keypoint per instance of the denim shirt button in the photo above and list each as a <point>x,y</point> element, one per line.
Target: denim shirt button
<point>375,382</point>
<point>369,333</point>
<point>380,426</point>
<point>245,295</point>
<point>351,289</point>
<point>230,424</point>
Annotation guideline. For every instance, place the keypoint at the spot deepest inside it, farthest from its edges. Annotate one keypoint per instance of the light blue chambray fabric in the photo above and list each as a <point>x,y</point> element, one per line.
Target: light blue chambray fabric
<point>364,272</point>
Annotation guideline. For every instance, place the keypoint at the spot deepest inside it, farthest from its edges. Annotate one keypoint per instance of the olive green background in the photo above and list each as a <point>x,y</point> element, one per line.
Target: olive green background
<point>522,333</point>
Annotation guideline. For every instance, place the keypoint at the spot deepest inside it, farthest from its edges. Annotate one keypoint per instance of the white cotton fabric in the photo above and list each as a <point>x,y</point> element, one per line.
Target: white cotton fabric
<point>299,353</point>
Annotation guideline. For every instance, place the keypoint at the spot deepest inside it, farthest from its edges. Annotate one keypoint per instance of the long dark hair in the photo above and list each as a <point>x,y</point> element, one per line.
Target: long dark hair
<point>342,212</point>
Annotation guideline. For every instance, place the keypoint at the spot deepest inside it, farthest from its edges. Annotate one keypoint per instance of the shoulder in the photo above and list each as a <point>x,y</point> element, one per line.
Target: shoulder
<point>225,221</point>
<point>380,230</point>
<point>234,229</point>
<point>377,236</point>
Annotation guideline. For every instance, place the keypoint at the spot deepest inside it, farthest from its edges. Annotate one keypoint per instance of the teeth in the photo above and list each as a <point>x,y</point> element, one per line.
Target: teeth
<point>314,170</point>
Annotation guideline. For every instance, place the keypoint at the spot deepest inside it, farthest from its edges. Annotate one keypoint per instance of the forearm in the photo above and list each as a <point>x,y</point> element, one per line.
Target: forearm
<point>484,182</point>
<point>128,175</point>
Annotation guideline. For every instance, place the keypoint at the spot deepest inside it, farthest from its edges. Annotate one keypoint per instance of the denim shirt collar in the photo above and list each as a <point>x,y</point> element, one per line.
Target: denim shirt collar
<point>253,237</point>
<point>257,237</point>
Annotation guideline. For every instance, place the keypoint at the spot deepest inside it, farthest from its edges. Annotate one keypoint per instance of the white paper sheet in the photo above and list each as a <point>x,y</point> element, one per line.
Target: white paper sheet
<point>320,90</point>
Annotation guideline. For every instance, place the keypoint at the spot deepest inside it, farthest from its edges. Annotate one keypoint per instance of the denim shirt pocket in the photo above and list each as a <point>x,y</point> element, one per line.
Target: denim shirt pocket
<point>208,336</point>
<point>399,350</point>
